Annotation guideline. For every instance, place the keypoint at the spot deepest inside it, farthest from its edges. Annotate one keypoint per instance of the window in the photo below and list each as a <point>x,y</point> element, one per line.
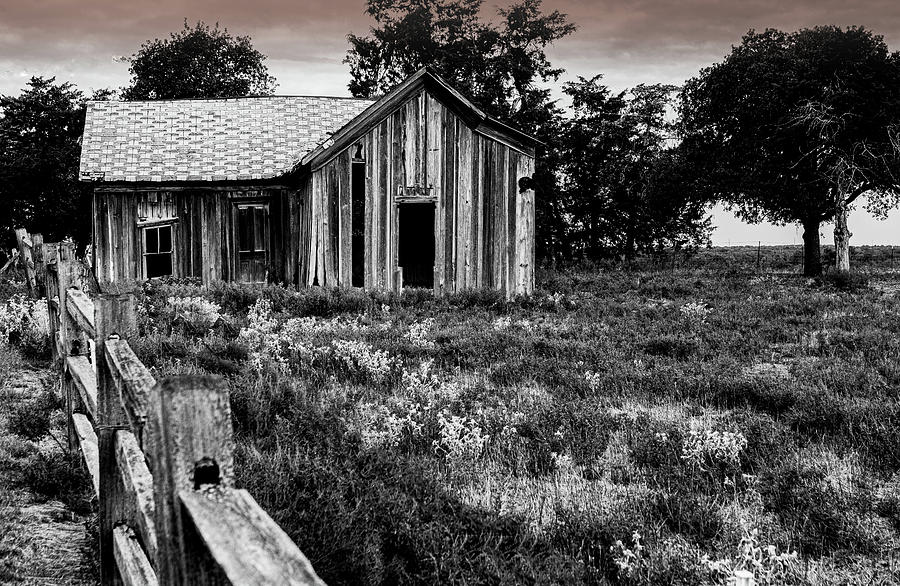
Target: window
<point>158,251</point>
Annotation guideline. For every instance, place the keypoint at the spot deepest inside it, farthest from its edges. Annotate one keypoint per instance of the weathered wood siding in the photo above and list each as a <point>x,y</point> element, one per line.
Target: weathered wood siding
<point>203,234</point>
<point>484,224</point>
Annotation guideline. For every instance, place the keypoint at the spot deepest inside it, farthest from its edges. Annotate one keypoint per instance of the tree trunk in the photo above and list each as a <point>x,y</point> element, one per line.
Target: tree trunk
<point>841,235</point>
<point>812,251</point>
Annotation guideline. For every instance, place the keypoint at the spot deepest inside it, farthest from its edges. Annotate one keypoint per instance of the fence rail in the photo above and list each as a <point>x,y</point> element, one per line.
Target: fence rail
<point>160,453</point>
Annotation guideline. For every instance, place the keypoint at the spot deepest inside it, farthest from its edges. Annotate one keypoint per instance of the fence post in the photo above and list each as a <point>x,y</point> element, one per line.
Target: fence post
<point>50,264</point>
<point>189,420</point>
<point>743,578</point>
<point>114,317</point>
<point>67,336</point>
<point>25,245</point>
<point>40,269</point>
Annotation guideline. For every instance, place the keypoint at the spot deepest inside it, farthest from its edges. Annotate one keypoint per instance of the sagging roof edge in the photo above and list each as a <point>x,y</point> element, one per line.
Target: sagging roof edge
<point>431,81</point>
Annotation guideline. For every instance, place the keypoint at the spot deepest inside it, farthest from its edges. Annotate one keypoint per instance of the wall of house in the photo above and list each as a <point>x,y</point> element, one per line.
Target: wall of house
<point>484,222</point>
<point>204,231</point>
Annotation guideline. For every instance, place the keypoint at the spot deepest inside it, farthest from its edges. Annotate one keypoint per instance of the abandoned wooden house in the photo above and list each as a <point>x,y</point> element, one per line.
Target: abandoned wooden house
<point>419,188</point>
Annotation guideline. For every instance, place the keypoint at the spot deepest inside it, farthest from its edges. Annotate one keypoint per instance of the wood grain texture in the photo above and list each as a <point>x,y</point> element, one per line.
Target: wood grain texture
<point>114,316</point>
<point>50,251</point>
<point>40,269</point>
<point>134,567</point>
<point>243,544</point>
<point>137,484</point>
<point>81,308</point>
<point>82,374</point>
<point>89,450</point>
<point>132,381</point>
<point>434,166</point>
<point>24,243</point>
<point>189,420</point>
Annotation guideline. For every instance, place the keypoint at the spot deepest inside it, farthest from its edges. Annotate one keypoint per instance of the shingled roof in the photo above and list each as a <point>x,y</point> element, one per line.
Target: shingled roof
<point>207,140</point>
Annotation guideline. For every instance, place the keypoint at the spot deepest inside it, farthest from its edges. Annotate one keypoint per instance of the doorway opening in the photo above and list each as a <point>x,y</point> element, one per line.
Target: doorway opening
<point>358,223</point>
<point>416,243</point>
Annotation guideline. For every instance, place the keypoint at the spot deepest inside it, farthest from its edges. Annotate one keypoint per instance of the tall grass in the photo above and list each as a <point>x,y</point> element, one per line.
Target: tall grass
<point>618,427</point>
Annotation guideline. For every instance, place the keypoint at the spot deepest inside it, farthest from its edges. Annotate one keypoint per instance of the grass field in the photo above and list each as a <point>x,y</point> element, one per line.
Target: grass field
<point>659,426</point>
<point>662,427</point>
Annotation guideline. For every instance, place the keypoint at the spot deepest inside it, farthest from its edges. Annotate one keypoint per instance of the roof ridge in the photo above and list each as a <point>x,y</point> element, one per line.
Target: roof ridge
<point>235,99</point>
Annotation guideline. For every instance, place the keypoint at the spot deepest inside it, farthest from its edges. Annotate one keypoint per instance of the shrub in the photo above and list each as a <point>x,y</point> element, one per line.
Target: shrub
<point>30,419</point>
<point>60,476</point>
<point>25,322</point>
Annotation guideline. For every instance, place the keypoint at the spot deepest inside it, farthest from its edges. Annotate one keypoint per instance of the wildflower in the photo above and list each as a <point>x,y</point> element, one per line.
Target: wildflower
<point>695,311</point>
<point>364,358</point>
<point>701,446</point>
<point>460,438</point>
<point>418,334</point>
<point>502,323</point>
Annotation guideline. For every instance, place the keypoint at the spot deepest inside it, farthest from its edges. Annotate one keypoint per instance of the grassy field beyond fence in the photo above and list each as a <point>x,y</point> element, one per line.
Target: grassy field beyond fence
<point>630,427</point>
<point>656,426</point>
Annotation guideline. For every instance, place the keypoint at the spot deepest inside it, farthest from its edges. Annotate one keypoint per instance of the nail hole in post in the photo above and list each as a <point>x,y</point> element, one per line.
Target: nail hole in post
<point>206,471</point>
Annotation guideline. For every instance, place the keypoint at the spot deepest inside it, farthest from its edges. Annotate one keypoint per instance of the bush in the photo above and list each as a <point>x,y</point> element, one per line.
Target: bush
<point>60,476</point>
<point>31,419</point>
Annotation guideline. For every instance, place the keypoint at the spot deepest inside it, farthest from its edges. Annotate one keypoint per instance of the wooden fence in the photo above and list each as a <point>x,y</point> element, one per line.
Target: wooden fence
<point>159,452</point>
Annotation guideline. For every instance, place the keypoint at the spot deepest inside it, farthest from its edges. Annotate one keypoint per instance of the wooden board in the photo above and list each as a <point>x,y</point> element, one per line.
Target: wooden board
<point>88,442</point>
<point>81,308</point>
<point>82,373</point>
<point>134,567</point>
<point>137,484</point>
<point>243,541</point>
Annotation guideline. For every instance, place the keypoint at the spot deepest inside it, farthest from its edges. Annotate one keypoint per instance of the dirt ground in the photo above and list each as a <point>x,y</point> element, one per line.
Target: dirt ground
<point>42,542</point>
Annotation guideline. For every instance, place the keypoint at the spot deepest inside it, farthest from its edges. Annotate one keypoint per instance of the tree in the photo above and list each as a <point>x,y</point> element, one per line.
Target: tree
<point>775,129</point>
<point>502,66</point>
<point>198,62</point>
<point>40,148</point>
<point>627,191</point>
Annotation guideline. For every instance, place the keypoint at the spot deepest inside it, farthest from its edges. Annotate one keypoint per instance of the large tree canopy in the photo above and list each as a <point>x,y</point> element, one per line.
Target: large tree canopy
<point>790,127</point>
<point>40,146</point>
<point>198,62</point>
<point>626,191</point>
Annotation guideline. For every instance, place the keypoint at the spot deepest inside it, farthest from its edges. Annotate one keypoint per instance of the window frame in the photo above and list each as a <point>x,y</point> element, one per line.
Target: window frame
<point>147,226</point>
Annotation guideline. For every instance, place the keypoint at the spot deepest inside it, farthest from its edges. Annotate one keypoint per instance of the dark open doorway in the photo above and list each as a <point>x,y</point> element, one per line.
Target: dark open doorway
<point>416,243</point>
<point>358,223</point>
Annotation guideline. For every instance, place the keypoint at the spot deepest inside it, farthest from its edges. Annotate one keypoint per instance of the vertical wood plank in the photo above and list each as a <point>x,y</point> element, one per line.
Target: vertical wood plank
<point>421,140</point>
<point>50,252</point>
<point>398,173</point>
<point>530,214</point>
<point>114,316</point>
<point>24,243</point>
<point>449,188</point>
<point>345,191</point>
<point>434,166</point>
<point>190,422</point>
<point>512,205</point>
<point>369,197</point>
<point>384,185</point>
<point>487,213</point>
<point>40,269</point>
<point>464,206</point>
<point>477,214</point>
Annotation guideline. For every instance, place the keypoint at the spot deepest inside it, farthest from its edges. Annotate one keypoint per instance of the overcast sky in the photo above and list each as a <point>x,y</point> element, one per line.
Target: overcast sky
<point>630,42</point>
